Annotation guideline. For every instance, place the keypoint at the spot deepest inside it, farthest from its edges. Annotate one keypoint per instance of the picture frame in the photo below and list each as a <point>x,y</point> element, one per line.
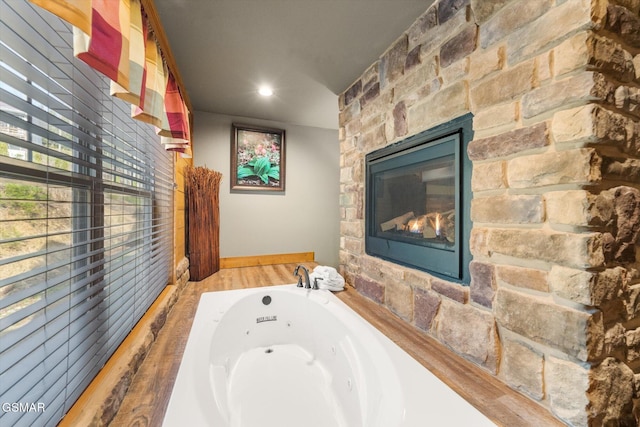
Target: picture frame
<point>257,158</point>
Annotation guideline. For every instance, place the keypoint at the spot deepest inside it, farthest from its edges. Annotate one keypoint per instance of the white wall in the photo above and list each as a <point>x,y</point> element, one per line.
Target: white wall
<point>305,218</point>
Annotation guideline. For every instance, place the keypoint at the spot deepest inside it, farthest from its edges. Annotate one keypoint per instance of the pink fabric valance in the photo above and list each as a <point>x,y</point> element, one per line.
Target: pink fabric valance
<point>114,38</point>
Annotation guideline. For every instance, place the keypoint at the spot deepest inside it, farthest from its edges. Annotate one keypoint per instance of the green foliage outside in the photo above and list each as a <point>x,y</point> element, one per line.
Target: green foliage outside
<point>43,159</point>
<point>23,197</point>
<point>10,232</point>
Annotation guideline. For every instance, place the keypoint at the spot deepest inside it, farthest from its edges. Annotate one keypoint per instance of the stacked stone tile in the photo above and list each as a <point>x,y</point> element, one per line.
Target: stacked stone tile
<point>553,308</point>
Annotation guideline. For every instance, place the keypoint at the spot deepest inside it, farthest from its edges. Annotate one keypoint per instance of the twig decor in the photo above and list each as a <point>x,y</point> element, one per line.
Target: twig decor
<point>203,204</point>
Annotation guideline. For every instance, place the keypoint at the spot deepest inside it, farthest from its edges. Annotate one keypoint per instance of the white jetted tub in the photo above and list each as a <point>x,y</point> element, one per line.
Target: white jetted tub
<point>284,356</point>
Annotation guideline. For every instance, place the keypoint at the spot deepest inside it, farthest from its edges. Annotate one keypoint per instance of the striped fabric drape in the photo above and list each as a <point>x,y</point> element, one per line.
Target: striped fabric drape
<point>106,48</point>
<point>75,12</point>
<point>112,37</point>
<point>137,40</point>
<point>175,123</point>
<point>150,108</point>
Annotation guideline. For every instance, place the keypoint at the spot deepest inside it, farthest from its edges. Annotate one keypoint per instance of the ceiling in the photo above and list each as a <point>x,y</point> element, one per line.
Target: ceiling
<point>309,51</point>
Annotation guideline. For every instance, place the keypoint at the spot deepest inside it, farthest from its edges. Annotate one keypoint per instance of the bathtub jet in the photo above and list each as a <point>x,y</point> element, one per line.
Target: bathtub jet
<point>303,359</point>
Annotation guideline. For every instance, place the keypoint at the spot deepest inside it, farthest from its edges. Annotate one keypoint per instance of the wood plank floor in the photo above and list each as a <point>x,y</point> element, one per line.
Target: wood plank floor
<point>148,395</point>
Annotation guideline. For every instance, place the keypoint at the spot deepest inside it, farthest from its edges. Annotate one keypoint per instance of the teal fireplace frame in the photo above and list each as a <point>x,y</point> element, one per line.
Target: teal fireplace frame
<point>451,263</point>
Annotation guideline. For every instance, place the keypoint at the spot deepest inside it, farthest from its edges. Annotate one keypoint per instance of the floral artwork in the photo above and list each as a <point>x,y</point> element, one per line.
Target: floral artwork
<point>257,158</point>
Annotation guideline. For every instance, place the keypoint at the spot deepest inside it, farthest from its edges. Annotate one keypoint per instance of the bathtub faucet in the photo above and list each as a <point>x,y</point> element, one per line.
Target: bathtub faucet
<point>307,284</point>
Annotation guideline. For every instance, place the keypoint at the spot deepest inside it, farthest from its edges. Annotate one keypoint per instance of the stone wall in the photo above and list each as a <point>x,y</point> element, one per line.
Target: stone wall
<point>553,308</point>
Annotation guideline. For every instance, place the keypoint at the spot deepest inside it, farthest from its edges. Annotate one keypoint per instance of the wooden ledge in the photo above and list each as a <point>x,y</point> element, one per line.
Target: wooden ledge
<point>503,405</point>
<point>256,260</point>
<point>100,401</point>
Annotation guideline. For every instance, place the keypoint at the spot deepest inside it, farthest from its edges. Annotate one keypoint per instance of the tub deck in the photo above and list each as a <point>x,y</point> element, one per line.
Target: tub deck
<point>148,395</point>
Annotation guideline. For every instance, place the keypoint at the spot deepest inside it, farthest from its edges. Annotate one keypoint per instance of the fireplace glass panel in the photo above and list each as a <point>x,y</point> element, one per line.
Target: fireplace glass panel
<point>417,203</point>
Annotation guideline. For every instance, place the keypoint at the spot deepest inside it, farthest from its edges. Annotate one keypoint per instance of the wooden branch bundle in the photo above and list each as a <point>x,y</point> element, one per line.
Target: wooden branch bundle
<point>203,204</point>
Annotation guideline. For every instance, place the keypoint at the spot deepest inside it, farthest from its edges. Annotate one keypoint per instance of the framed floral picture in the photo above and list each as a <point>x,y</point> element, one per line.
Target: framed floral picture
<point>257,158</point>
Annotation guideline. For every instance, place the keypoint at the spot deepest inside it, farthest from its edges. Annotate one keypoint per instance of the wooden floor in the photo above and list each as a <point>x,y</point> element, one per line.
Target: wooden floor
<point>147,398</point>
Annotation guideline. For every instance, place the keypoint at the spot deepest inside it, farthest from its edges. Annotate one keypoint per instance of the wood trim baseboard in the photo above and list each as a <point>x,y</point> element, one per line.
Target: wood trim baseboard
<point>255,260</point>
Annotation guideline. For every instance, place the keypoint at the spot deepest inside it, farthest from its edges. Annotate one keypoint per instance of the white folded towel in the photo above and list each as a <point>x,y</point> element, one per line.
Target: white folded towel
<point>331,279</point>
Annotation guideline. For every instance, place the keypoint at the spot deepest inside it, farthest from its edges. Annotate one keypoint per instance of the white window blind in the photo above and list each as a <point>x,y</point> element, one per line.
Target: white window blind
<point>86,218</point>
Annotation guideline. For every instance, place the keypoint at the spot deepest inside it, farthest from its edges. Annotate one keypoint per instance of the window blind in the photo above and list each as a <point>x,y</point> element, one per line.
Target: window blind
<point>86,218</point>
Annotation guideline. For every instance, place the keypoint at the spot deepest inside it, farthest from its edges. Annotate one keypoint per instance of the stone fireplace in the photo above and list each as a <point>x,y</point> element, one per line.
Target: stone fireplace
<point>552,306</point>
<point>417,192</point>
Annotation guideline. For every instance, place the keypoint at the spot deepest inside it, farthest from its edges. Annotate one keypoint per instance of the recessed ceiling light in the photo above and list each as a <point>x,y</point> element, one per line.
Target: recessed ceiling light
<point>265,91</point>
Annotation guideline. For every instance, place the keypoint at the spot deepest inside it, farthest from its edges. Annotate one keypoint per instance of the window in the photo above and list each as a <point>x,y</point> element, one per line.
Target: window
<point>86,218</point>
